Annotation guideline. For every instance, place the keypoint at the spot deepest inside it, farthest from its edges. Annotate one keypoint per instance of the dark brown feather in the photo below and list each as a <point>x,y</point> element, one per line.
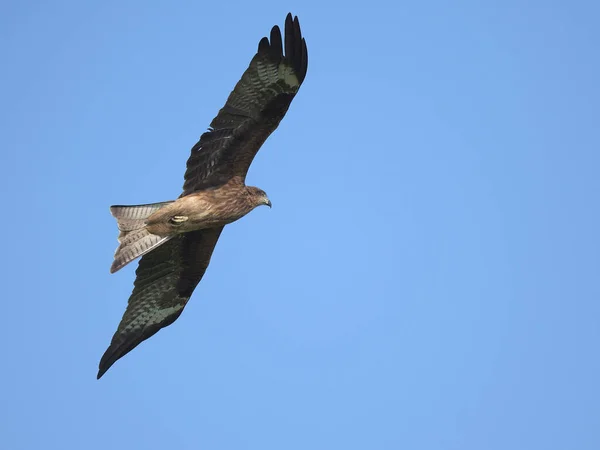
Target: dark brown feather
<point>276,44</point>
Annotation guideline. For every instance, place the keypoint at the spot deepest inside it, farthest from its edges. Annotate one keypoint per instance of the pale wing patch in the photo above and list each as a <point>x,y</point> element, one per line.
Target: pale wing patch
<point>289,77</point>
<point>162,314</point>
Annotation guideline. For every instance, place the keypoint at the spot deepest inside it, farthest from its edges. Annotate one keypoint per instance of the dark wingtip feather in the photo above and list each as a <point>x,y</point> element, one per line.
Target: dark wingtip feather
<point>296,51</point>
<point>114,352</point>
<point>297,46</point>
<point>106,362</point>
<point>276,44</point>
<point>263,45</point>
<point>289,38</point>
<point>304,64</point>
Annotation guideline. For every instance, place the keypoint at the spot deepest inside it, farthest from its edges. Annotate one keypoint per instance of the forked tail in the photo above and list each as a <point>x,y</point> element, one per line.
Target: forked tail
<point>134,239</point>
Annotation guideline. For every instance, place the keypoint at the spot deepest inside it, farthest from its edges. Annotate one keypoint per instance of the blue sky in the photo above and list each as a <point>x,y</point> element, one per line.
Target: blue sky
<point>426,279</point>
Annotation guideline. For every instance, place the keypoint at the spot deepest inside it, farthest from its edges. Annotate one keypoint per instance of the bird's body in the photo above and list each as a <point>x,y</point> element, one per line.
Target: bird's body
<point>209,208</point>
<point>176,238</point>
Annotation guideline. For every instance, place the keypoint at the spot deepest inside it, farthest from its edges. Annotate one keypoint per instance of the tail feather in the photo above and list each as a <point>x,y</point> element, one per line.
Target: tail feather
<point>134,239</point>
<point>131,218</point>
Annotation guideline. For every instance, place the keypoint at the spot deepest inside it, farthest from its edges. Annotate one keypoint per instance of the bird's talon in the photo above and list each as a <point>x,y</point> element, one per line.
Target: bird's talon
<point>177,220</point>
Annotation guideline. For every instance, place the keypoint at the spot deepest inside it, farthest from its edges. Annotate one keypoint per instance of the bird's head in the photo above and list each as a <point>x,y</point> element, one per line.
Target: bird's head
<point>259,196</point>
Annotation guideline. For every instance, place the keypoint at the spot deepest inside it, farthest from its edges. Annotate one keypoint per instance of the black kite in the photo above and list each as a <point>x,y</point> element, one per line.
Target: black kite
<point>176,239</point>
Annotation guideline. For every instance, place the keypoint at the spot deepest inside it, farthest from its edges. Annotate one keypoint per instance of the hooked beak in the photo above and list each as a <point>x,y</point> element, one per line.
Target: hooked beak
<point>268,202</point>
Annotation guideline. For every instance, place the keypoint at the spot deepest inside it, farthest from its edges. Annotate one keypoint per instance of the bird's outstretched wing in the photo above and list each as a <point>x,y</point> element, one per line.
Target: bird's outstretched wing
<point>165,280</point>
<point>167,276</point>
<point>252,112</point>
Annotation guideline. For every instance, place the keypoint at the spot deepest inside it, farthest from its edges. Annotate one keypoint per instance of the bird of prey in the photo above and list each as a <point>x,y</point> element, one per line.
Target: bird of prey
<point>176,238</point>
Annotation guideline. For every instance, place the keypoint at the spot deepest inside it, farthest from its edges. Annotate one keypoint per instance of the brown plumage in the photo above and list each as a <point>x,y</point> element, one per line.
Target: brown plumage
<point>176,239</point>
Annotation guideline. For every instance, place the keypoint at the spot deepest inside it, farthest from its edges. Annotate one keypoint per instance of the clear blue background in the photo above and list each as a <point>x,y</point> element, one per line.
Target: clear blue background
<point>428,277</point>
